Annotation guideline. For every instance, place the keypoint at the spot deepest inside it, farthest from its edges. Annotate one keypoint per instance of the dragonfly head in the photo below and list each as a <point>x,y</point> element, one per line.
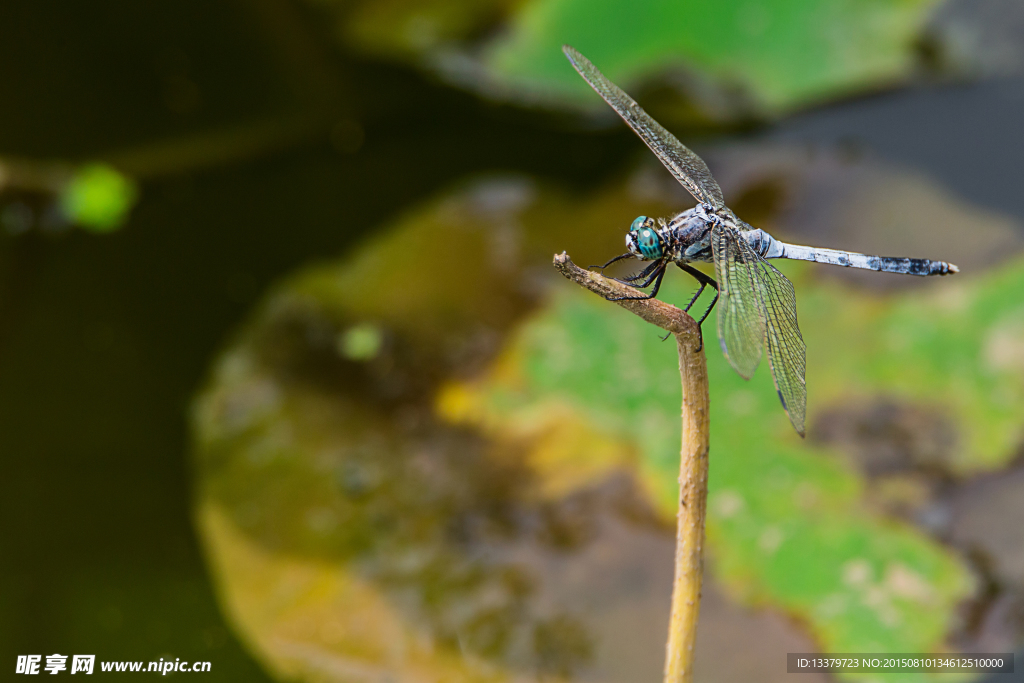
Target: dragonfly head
<point>643,240</point>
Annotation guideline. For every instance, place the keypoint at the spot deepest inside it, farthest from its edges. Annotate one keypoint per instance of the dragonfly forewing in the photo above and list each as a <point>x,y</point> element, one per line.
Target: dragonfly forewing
<point>688,168</point>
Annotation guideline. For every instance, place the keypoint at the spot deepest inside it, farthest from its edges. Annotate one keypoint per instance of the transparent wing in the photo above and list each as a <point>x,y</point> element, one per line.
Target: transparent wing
<point>758,305</point>
<point>688,168</point>
<point>740,319</point>
<point>786,348</point>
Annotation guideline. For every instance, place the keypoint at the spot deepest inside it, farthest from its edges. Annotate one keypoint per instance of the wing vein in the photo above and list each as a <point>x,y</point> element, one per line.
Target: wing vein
<point>688,168</point>
<point>760,311</point>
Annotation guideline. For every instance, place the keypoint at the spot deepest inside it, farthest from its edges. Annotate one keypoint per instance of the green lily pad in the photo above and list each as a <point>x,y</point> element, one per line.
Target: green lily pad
<point>736,57</point>
<point>781,55</point>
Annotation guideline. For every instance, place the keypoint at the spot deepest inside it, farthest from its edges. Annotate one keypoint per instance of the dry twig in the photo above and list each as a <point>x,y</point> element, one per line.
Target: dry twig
<point>693,469</point>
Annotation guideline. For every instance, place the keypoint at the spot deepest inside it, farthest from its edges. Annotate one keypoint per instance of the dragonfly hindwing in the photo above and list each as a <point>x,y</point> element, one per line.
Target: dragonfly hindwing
<point>786,348</point>
<point>752,282</point>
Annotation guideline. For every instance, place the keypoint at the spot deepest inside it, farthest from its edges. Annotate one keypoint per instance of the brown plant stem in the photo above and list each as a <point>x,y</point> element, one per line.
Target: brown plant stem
<point>693,467</point>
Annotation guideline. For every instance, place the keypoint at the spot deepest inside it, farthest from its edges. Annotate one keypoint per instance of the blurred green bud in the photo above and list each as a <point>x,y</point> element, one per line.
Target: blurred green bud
<point>98,198</point>
<point>361,342</point>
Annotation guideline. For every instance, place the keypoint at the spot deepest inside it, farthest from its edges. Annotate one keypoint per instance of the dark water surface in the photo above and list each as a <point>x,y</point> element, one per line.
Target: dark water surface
<point>966,136</point>
<point>104,340</point>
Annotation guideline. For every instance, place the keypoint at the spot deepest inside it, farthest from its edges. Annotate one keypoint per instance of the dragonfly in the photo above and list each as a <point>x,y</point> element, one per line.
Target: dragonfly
<point>757,303</point>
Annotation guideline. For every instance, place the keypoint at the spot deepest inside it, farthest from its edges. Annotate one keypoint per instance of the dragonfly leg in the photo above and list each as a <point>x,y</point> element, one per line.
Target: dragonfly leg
<point>704,281</point>
<point>713,302</point>
<point>647,275</point>
<point>696,295</point>
<point>617,258</point>
<point>657,276</point>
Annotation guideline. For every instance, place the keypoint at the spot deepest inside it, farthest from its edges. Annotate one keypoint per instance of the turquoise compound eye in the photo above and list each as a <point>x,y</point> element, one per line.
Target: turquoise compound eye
<point>647,240</point>
<point>649,244</point>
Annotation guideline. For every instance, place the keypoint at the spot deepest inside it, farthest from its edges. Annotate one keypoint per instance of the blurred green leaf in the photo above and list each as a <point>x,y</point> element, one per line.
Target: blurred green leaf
<point>736,57</point>
<point>781,54</point>
<point>957,346</point>
<point>98,198</point>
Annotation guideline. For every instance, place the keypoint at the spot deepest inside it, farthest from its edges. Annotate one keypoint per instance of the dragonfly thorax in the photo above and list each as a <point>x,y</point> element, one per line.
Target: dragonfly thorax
<point>687,236</point>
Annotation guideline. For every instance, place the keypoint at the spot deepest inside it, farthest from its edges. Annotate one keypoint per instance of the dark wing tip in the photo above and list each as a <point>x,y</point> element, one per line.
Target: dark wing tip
<point>802,429</point>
